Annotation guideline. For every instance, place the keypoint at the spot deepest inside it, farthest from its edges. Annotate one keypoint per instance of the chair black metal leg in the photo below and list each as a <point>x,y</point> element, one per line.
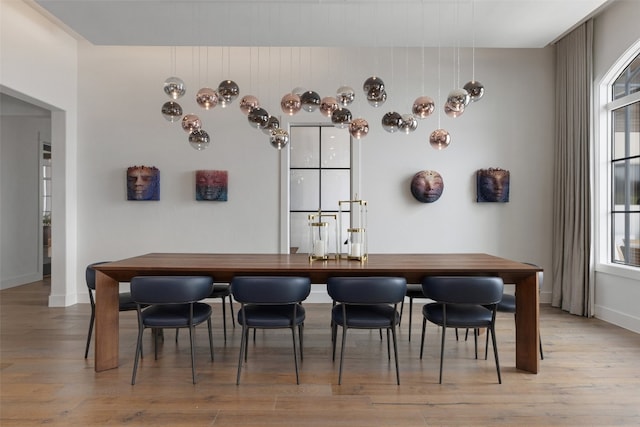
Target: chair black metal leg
<point>155,345</point>
<point>495,351</point>
<point>388,345</point>
<point>138,354</point>
<point>193,353</point>
<point>334,334</point>
<point>246,346</point>
<point>243,344</point>
<point>486,346</point>
<point>424,328</point>
<point>475,340</point>
<point>233,319</point>
<point>344,341</point>
<point>444,330</point>
<point>395,353</point>
<point>159,333</point>
<point>401,312</point>
<point>410,312</point>
<point>224,319</point>
<point>210,337</point>
<point>295,353</point>
<point>333,304</point>
<point>301,338</point>
<point>93,317</point>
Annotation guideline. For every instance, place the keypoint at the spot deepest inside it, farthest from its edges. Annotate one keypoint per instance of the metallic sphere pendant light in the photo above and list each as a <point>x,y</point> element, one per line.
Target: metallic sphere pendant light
<point>171,111</point>
<point>207,98</point>
<point>199,139</point>
<point>174,87</point>
<point>279,138</point>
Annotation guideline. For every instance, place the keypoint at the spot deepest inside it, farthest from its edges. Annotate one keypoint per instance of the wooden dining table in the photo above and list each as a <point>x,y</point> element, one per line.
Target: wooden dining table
<point>224,267</point>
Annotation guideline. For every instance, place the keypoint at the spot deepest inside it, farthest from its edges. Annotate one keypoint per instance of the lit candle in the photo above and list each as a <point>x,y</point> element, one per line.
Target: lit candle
<point>356,250</point>
<point>319,248</point>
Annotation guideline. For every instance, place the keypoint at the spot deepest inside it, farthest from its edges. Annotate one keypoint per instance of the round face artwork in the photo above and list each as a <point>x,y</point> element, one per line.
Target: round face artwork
<point>143,183</point>
<point>427,186</point>
<point>493,185</point>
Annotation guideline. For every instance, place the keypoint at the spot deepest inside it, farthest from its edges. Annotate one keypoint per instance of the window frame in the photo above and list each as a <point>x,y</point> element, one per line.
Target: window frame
<point>604,105</point>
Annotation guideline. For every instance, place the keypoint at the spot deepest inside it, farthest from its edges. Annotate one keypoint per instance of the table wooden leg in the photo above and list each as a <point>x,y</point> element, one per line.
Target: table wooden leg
<point>106,323</point>
<point>527,324</point>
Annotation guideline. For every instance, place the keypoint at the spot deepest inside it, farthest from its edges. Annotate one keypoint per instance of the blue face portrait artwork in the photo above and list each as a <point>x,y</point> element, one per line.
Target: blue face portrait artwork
<point>143,183</point>
<point>211,185</point>
<point>492,185</point>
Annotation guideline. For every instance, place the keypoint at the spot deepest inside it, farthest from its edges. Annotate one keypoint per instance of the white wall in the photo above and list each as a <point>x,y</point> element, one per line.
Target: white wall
<point>39,65</point>
<point>120,125</point>
<point>21,227</point>
<point>617,288</point>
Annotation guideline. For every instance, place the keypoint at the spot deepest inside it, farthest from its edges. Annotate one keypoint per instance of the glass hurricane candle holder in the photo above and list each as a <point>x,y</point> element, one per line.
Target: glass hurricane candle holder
<point>353,229</point>
<point>322,233</point>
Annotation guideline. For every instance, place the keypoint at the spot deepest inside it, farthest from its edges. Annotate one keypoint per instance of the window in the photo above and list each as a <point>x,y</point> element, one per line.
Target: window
<point>624,139</point>
<point>319,177</point>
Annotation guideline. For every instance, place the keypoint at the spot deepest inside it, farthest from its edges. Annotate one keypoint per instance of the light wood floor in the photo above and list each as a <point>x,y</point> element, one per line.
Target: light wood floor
<point>590,375</point>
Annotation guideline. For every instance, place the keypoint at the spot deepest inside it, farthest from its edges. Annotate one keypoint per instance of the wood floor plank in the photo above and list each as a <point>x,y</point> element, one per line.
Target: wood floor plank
<point>590,375</point>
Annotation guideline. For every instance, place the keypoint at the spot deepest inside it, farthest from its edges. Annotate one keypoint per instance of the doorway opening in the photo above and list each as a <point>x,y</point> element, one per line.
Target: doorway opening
<point>45,168</point>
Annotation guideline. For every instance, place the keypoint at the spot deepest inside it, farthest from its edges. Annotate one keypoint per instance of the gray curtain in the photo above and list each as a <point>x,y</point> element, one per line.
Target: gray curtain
<point>571,251</point>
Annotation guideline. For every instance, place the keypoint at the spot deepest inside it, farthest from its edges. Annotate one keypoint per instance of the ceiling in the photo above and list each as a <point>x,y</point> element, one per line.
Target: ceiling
<point>328,23</point>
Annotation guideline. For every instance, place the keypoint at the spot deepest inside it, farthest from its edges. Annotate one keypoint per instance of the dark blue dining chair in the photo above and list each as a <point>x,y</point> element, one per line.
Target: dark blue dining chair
<point>414,291</point>
<point>223,291</point>
<point>366,303</point>
<point>125,302</point>
<point>172,302</point>
<point>270,302</point>
<point>462,302</point>
<point>508,305</point>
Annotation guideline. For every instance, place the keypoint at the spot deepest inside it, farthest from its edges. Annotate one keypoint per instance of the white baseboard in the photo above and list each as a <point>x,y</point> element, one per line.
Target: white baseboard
<point>62,300</point>
<point>12,282</point>
<point>618,318</point>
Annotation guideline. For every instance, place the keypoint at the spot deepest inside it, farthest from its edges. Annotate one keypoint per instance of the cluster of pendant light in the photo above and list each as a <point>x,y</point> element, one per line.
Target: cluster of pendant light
<point>334,107</point>
<point>422,108</point>
<point>208,98</point>
<point>457,101</point>
<point>259,118</point>
<point>308,100</point>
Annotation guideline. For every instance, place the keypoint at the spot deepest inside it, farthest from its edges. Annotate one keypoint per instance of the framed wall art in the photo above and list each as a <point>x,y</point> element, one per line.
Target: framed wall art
<point>143,183</point>
<point>211,185</point>
<point>492,185</point>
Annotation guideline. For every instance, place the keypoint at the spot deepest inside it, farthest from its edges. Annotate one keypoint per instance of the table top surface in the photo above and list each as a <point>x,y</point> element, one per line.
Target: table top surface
<point>226,266</point>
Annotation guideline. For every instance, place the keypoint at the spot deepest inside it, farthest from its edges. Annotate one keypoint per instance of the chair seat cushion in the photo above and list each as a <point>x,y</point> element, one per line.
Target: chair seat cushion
<point>366,316</point>
<point>126,302</point>
<point>220,290</point>
<point>415,291</point>
<point>508,303</point>
<point>458,315</point>
<point>271,316</point>
<point>174,315</point>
